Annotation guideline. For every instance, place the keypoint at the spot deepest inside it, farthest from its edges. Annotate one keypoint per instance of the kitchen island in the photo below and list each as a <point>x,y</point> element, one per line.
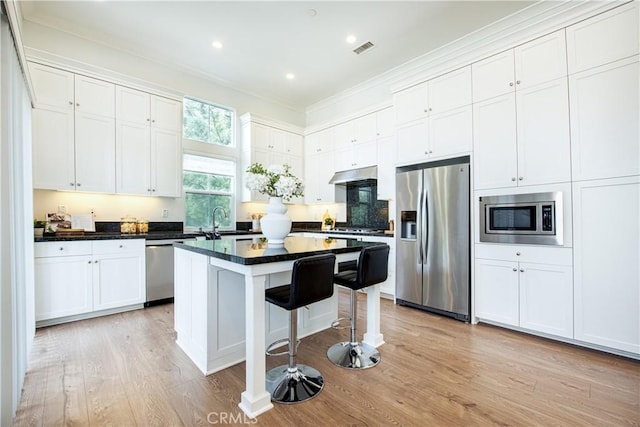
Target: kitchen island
<point>221,317</point>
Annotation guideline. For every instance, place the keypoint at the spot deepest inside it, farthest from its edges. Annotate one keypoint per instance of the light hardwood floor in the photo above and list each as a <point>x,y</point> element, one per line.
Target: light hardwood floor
<point>126,370</point>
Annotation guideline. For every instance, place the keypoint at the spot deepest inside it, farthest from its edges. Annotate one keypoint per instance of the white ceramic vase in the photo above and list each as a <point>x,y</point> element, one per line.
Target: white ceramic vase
<point>276,224</point>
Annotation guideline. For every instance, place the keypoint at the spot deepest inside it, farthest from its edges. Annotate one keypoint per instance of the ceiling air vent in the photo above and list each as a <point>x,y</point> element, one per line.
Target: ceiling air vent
<point>363,48</point>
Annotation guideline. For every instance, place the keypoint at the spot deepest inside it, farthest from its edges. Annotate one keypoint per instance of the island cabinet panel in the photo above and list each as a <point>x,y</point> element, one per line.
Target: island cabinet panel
<point>210,319</point>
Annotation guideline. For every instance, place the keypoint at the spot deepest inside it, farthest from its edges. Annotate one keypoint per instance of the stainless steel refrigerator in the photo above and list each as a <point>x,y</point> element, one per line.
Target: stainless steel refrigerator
<point>432,241</point>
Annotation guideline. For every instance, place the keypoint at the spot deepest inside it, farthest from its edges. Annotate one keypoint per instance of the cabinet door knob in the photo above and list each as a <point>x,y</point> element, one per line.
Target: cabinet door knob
<point>96,261</point>
<point>430,109</point>
<point>517,253</point>
<point>148,190</point>
<point>517,82</point>
<point>520,178</point>
<point>148,119</point>
<point>515,269</point>
<point>426,152</point>
<point>71,184</point>
<point>78,185</point>
<point>513,178</point>
<point>153,190</point>
<point>70,102</point>
<point>77,104</point>
<point>522,270</point>
<point>121,246</point>
<point>61,248</point>
<point>510,83</point>
<point>430,151</point>
<point>89,262</point>
<point>153,121</point>
<point>426,110</point>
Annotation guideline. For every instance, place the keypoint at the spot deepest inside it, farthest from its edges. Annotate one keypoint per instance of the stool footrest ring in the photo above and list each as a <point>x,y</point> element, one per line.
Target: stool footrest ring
<point>336,323</point>
<point>273,345</point>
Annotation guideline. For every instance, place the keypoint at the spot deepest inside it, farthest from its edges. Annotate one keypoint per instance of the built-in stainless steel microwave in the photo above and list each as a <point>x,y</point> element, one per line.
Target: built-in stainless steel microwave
<point>522,218</point>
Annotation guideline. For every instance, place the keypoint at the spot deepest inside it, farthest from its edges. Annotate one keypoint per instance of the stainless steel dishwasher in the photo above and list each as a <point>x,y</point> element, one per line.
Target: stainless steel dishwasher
<point>159,254</point>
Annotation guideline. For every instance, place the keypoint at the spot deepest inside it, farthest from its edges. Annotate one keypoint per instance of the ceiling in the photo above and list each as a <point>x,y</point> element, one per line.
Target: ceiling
<point>265,40</point>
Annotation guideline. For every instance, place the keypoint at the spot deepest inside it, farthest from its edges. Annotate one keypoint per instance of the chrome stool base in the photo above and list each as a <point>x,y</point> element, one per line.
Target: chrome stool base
<point>293,387</point>
<point>353,355</point>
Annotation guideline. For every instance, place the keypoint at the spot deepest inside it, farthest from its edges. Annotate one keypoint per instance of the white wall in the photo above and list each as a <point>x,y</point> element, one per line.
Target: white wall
<point>107,207</point>
<point>17,323</point>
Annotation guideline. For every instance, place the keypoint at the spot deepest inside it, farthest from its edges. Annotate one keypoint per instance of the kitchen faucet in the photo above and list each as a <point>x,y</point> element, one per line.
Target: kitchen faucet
<point>216,235</point>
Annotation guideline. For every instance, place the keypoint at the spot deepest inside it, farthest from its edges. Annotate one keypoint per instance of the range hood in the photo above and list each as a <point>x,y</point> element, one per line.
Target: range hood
<point>353,175</point>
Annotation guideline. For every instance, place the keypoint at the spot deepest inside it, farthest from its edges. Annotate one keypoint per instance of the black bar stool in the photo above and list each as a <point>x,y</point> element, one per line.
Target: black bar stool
<point>311,281</point>
<point>371,269</point>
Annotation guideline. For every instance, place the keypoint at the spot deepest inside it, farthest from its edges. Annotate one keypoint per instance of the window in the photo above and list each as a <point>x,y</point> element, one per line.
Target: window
<point>208,183</point>
<point>207,123</point>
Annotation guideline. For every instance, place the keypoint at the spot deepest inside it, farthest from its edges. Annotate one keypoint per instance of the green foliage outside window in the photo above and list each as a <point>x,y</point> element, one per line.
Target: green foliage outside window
<point>207,123</point>
<point>208,183</point>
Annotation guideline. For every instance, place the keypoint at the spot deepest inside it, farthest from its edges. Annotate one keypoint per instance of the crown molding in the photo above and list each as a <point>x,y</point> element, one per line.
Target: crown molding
<point>342,119</point>
<point>266,121</point>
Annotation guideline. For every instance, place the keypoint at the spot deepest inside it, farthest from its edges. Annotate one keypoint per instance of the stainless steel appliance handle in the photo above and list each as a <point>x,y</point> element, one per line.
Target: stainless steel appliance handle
<point>420,214</point>
<point>425,245</point>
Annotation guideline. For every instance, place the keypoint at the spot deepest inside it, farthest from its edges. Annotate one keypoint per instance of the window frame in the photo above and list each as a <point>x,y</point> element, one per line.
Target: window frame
<point>234,141</point>
<point>216,151</point>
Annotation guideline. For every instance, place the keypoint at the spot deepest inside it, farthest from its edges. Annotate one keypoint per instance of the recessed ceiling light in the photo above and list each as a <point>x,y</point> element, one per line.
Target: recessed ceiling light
<point>290,76</point>
<point>216,44</point>
<point>351,39</point>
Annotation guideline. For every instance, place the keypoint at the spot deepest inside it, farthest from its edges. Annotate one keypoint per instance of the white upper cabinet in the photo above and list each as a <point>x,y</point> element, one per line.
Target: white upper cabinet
<point>73,129</point>
<point>444,93</point>
<point>494,142</point>
<point>133,105</point>
<point>148,145</point>
<point>449,91</point>
<point>523,139</point>
<point>412,103</point>
<point>53,87</point>
<point>356,131</point>
<point>604,38</point>
<point>385,123</point>
<point>605,121</point>
<point>268,144</point>
<point>321,141</point>
<point>433,119</point>
<point>542,113</point>
<point>95,97</point>
<point>540,60</point>
<point>493,76</point>
<point>532,63</point>
<point>166,114</point>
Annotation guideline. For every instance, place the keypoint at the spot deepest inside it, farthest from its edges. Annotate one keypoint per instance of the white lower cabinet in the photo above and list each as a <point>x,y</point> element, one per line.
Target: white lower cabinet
<point>607,276</point>
<point>77,279</point>
<point>526,287</point>
<point>118,273</point>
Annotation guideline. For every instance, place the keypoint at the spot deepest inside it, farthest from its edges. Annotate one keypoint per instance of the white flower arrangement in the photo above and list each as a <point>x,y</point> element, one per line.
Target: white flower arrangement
<point>274,181</point>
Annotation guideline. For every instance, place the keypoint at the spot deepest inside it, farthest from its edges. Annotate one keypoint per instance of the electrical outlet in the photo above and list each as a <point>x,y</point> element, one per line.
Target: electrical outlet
<point>62,209</point>
<point>165,213</point>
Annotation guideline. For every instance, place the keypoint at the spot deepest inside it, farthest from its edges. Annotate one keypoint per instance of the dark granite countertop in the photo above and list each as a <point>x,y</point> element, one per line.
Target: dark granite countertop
<point>154,235</point>
<point>256,250</point>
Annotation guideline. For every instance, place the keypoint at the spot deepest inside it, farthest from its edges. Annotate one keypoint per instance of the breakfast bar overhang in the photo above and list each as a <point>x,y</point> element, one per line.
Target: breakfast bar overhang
<point>220,284</point>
